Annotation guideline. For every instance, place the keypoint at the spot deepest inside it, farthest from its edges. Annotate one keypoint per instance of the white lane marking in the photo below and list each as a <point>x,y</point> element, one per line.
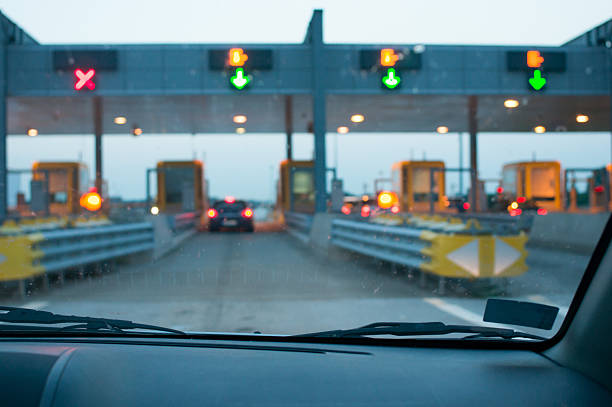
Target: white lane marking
<point>35,304</point>
<point>461,312</point>
<point>455,310</point>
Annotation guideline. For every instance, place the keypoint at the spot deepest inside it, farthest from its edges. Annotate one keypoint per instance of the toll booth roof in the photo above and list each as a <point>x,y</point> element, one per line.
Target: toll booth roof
<point>191,114</point>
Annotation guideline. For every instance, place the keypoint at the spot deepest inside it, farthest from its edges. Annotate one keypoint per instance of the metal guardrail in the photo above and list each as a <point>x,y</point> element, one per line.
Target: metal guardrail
<point>501,222</point>
<point>31,255</point>
<point>63,249</point>
<point>299,225</point>
<point>300,221</point>
<point>439,248</point>
<point>183,221</point>
<point>394,244</point>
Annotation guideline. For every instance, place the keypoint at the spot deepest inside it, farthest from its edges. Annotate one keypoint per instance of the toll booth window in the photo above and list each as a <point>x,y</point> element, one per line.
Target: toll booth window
<point>302,191</point>
<point>421,184</point>
<point>58,186</point>
<point>395,181</point>
<point>58,197</point>
<point>509,180</point>
<point>175,180</point>
<point>543,182</point>
<point>83,179</point>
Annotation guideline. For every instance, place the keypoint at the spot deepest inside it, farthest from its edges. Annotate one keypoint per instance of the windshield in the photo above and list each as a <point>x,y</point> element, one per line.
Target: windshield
<point>239,168</point>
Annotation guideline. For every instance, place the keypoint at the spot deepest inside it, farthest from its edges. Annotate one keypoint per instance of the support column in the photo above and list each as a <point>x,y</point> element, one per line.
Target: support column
<point>461,163</point>
<point>97,118</point>
<point>289,125</point>
<point>3,129</point>
<point>473,127</point>
<point>315,37</point>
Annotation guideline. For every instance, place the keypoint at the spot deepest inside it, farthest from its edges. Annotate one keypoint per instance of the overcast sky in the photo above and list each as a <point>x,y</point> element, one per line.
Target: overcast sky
<point>246,165</point>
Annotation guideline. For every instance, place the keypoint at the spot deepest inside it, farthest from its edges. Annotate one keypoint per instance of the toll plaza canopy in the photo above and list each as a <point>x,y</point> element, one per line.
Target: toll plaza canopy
<point>309,87</point>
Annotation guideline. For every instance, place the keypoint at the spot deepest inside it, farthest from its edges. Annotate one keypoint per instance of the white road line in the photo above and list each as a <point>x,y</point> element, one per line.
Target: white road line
<point>35,304</point>
<point>461,312</point>
<point>455,310</point>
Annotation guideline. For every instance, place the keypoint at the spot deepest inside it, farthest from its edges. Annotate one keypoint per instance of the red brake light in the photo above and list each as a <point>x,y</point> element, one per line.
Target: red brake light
<point>521,199</point>
<point>212,213</point>
<point>230,199</point>
<point>346,209</point>
<point>247,213</point>
<point>365,211</point>
<point>599,189</point>
<point>542,211</point>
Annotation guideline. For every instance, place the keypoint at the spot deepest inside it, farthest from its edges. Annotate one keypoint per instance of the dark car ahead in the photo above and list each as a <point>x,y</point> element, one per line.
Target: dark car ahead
<point>230,214</point>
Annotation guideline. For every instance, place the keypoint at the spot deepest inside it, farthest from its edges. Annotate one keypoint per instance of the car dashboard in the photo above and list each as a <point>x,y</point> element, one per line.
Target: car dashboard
<point>166,372</point>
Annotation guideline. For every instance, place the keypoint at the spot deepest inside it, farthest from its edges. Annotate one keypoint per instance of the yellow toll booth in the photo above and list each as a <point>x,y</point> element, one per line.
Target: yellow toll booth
<point>296,192</point>
<point>537,181</point>
<point>411,182</point>
<point>181,187</point>
<point>66,182</point>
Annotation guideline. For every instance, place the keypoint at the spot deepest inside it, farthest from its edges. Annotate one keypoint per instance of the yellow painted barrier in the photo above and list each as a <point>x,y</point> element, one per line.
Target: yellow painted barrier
<point>474,256</point>
<point>18,257</point>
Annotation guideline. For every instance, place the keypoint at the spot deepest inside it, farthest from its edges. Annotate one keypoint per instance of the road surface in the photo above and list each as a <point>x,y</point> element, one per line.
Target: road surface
<point>272,283</point>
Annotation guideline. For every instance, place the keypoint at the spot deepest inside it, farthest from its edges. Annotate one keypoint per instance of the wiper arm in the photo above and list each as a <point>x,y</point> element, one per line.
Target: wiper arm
<point>16,315</point>
<point>422,328</point>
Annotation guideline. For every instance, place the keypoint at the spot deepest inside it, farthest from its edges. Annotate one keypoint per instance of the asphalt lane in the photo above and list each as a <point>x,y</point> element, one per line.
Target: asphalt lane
<point>270,282</point>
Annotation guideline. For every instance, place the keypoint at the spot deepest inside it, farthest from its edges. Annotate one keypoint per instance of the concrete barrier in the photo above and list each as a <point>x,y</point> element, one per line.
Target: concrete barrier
<point>166,238</point>
<point>320,231</point>
<point>572,232</point>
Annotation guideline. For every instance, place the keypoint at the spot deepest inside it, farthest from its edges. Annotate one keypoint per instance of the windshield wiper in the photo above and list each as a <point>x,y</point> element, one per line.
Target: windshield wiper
<point>422,328</point>
<point>16,315</point>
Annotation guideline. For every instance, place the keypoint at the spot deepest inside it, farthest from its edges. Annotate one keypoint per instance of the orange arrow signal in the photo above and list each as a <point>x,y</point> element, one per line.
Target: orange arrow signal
<point>388,57</point>
<point>237,57</point>
<point>534,59</point>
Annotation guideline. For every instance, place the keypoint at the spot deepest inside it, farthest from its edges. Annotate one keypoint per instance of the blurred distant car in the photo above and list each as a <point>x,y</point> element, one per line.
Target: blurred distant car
<point>230,214</point>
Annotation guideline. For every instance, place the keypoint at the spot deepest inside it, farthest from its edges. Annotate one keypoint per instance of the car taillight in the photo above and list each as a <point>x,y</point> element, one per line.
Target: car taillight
<point>521,199</point>
<point>212,213</point>
<point>247,213</point>
<point>542,211</point>
<point>346,209</point>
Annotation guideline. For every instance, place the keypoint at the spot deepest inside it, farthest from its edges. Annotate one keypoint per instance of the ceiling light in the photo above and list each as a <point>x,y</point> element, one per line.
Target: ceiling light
<point>539,129</point>
<point>511,103</point>
<point>342,130</point>
<point>240,119</point>
<point>32,132</point>
<point>442,129</point>
<point>120,120</point>
<point>582,118</point>
<point>240,130</point>
<point>357,118</point>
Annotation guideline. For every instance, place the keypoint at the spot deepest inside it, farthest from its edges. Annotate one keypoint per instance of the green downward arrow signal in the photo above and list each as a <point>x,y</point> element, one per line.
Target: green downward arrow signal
<point>391,80</point>
<point>537,82</point>
<point>240,80</point>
